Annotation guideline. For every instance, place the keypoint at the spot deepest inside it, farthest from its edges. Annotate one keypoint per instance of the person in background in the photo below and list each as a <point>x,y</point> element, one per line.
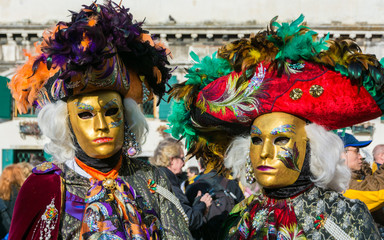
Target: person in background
<point>353,157</point>
<point>192,173</point>
<point>225,192</point>
<point>26,168</point>
<point>364,185</point>
<point>36,160</point>
<point>11,181</point>
<point>378,157</point>
<point>169,157</point>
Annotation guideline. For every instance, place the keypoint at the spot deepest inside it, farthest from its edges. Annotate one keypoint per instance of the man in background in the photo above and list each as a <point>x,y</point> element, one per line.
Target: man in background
<point>366,186</point>
<point>378,157</point>
<point>192,173</point>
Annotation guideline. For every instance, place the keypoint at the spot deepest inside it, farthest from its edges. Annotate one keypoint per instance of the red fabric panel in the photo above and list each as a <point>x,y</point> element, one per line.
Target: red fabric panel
<point>36,193</point>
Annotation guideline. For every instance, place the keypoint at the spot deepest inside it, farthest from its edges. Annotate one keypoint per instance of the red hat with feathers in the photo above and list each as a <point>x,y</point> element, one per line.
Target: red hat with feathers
<point>328,82</point>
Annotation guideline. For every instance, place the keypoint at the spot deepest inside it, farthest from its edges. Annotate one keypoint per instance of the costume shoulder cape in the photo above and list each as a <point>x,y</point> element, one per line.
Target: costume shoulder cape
<point>38,205</point>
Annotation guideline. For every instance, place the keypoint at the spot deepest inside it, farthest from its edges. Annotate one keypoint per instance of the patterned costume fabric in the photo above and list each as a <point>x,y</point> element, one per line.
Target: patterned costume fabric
<point>302,217</point>
<point>158,214</point>
<point>170,224</point>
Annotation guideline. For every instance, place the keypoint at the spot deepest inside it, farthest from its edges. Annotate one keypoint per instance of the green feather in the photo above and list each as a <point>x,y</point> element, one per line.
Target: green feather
<point>202,73</point>
<point>294,44</point>
<point>194,56</point>
<point>180,123</point>
<point>206,70</point>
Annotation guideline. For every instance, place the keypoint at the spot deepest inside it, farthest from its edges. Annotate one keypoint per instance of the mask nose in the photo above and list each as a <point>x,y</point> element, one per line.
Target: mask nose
<point>100,123</point>
<point>267,150</point>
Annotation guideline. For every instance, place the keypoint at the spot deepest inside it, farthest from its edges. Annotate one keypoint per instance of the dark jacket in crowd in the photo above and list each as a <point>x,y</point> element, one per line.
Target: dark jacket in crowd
<point>195,210</point>
<point>224,198</point>
<point>6,211</point>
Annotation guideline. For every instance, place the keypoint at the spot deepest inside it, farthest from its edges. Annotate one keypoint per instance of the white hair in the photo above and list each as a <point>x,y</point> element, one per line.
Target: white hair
<point>54,123</point>
<point>236,157</point>
<point>326,165</point>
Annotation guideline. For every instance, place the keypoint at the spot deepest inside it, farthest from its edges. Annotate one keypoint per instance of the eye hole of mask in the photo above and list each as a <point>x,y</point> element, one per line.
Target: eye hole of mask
<point>257,141</point>
<point>111,111</point>
<point>85,115</point>
<point>281,141</point>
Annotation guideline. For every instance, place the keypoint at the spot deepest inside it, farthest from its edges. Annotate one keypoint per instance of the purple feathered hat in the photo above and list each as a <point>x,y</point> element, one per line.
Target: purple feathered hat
<point>101,48</point>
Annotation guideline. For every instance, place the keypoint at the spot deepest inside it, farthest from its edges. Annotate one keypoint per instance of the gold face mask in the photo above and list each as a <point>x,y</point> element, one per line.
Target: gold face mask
<point>278,149</point>
<point>97,121</point>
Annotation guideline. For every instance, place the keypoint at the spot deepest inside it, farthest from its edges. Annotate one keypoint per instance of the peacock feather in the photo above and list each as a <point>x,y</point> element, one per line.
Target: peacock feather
<point>244,98</point>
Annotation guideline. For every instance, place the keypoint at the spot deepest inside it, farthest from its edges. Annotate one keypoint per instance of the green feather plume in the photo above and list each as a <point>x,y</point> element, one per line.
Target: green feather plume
<point>201,74</point>
<point>180,123</point>
<point>295,41</point>
<point>207,70</point>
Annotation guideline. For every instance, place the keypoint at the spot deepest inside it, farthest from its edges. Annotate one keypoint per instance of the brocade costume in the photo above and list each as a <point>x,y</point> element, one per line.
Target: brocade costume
<point>159,215</point>
<point>310,215</point>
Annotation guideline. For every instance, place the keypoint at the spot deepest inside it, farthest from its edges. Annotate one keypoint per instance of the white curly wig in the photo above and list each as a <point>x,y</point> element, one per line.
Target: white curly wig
<point>326,165</point>
<point>54,123</point>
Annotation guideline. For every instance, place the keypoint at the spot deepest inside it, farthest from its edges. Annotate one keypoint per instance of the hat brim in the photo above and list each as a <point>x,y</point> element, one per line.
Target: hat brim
<point>359,144</point>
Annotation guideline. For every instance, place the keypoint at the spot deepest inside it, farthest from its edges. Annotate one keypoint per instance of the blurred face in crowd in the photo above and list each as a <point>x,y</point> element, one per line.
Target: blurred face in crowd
<point>190,174</point>
<point>277,149</point>
<point>97,120</point>
<point>353,158</point>
<point>379,154</point>
<point>177,163</point>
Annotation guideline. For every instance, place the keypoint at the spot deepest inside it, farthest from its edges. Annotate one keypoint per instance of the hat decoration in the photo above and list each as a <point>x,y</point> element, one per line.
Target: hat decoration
<point>328,82</point>
<point>101,48</point>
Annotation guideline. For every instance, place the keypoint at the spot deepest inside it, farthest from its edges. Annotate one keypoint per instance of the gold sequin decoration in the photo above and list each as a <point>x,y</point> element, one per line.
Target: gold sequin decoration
<point>316,90</point>
<point>44,166</point>
<point>109,184</point>
<point>296,94</point>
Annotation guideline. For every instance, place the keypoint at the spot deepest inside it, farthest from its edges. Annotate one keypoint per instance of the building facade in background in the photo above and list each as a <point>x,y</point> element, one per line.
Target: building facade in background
<point>185,26</point>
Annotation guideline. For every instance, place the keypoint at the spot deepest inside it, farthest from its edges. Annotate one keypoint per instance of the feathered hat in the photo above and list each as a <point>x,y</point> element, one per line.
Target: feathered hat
<point>102,47</point>
<point>282,69</point>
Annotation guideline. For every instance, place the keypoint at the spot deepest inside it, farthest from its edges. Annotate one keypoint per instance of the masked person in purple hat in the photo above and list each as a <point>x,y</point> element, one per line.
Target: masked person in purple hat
<point>365,186</point>
<point>88,78</point>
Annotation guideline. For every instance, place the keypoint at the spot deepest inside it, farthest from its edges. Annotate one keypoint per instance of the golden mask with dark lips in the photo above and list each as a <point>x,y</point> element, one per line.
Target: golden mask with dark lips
<point>97,121</point>
<point>278,147</point>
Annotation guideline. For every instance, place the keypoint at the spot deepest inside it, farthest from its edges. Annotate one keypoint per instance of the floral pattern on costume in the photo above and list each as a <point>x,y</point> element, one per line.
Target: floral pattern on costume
<point>260,217</point>
<point>153,208</point>
<point>269,219</point>
<point>111,211</point>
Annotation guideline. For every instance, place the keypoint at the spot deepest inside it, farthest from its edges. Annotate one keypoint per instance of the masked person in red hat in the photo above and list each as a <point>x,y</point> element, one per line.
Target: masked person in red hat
<point>263,109</point>
<point>88,78</point>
